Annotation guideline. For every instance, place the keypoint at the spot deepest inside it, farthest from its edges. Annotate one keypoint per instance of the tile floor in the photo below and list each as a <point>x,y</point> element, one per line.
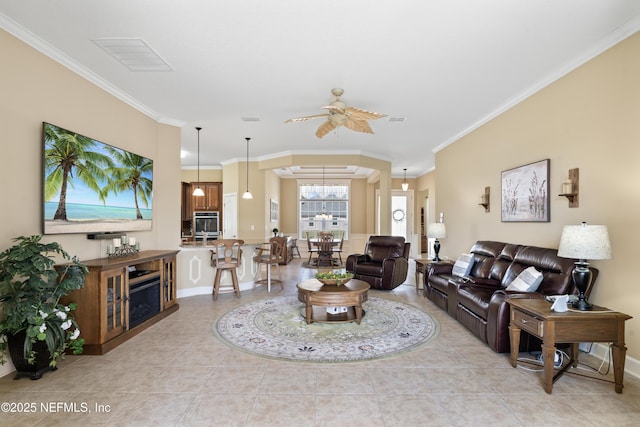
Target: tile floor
<point>177,373</point>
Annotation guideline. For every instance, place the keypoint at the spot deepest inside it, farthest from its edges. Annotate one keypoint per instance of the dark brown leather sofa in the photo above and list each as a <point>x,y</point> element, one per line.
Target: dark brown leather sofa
<point>479,300</point>
<point>384,264</point>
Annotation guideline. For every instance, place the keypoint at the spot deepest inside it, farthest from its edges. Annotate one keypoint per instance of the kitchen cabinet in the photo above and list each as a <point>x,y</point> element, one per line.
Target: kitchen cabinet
<point>212,199</point>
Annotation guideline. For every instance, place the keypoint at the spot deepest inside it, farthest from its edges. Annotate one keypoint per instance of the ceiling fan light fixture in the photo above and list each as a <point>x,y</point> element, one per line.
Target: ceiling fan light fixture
<point>338,114</point>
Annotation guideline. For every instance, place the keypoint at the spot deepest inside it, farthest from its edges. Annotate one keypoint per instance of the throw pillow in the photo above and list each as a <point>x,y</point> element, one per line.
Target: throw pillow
<point>527,281</point>
<point>463,265</point>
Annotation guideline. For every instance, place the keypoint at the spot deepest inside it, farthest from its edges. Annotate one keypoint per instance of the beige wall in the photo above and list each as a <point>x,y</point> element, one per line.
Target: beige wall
<point>34,89</point>
<point>206,175</point>
<point>253,222</point>
<point>289,206</point>
<point>272,193</point>
<point>384,182</point>
<point>590,120</point>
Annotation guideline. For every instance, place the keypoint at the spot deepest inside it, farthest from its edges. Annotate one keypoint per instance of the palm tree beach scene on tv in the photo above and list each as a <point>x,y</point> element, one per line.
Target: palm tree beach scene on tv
<point>93,187</point>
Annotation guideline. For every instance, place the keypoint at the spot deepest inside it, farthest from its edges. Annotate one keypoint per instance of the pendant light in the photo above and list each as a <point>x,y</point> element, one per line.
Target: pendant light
<point>198,191</point>
<point>247,194</point>
<point>405,184</point>
<point>324,215</point>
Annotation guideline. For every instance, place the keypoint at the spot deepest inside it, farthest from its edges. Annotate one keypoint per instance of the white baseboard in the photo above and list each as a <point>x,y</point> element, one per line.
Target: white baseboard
<point>631,365</point>
<point>206,290</point>
<point>6,369</point>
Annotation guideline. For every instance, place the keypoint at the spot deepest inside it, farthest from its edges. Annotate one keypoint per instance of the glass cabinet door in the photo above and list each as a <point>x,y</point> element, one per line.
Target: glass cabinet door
<point>115,298</point>
<point>169,281</point>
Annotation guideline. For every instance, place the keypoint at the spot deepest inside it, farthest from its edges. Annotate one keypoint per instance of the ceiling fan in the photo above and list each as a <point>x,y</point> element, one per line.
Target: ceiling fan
<point>340,115</point>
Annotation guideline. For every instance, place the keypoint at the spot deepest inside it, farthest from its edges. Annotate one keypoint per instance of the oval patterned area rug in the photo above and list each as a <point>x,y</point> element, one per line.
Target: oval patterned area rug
<point>276,328</point>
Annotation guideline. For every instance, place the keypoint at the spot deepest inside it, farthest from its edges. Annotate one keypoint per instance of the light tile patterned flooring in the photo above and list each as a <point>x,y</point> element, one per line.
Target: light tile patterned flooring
<point>177,373</point>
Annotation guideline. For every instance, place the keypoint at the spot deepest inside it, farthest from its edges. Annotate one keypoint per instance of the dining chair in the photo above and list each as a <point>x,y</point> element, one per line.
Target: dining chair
<point>338,248</point>
<point>325,248</point>
<point>226,255</point>
<point>313,249</point>
<point>269,255</point>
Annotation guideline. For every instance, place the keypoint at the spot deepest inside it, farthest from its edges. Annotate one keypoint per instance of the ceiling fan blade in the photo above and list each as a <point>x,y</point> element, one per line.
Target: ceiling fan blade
<point>325,128</point>
<point>360,114</point>
<point>358,125</point>
<point>302,119</point>
<point>334,109</point>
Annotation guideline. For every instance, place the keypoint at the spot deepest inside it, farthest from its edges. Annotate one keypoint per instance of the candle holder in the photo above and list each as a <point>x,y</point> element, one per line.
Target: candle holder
<point>485,199</point>
<point>571,188</point>
<point>124,250</point>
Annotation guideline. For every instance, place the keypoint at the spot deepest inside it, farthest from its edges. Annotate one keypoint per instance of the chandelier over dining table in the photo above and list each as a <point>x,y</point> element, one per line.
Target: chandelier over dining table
<point>324,215</point>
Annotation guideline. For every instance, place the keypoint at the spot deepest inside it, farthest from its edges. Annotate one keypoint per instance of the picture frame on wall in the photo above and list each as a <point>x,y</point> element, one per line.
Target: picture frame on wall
<point>274,210</point>
<point>525,193</point>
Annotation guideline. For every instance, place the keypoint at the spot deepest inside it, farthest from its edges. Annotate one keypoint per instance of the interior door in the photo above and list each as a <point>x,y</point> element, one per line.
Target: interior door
<point>230,215</point>
<point>402,217</point>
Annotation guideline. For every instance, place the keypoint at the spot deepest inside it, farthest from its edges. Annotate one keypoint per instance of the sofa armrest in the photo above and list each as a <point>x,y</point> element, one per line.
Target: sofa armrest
<point>498,317</point>
<point>439,268</point>
<point>394,270</point>
<point>354,259</point>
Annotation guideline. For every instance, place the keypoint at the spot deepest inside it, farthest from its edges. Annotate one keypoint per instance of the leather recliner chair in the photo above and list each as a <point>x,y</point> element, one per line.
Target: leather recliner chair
<point>384,265</point>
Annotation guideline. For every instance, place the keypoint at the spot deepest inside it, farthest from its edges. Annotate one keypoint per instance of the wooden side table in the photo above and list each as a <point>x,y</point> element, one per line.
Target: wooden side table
<point>421,263</point>
<point>600,325</point>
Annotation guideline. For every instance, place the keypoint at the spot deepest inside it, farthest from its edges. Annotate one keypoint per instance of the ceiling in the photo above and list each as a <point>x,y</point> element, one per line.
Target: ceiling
<point>239,68</point>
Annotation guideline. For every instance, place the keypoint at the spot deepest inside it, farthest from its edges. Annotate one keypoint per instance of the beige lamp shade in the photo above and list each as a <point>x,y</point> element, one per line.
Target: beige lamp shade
<point>585,242</point>
<point>436,230</point>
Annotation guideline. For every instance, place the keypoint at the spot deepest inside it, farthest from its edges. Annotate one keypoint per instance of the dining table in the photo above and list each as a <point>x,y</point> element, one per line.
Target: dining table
<point>325,254</point>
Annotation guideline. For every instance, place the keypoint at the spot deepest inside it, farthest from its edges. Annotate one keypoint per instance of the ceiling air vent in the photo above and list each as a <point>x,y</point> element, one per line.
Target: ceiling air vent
<point>135,54</point>
<point>397,119</point>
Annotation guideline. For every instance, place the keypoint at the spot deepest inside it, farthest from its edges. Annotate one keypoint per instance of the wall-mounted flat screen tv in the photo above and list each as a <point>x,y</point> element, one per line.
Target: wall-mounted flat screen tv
<point>92,187</point>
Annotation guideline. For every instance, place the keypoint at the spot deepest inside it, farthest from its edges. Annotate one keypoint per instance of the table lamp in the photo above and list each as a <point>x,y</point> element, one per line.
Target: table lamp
<point>436,230</point>
<point>584,242</point>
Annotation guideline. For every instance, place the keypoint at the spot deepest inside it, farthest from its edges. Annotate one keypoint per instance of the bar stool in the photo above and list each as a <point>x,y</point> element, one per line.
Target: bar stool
<point>226,255</point>
<point>294,246</point>
<point>270,256</point>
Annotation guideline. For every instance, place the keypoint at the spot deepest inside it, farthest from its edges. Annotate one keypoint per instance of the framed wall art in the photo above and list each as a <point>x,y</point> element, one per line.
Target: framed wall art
<point>274,210</point>
<point>525,193</point>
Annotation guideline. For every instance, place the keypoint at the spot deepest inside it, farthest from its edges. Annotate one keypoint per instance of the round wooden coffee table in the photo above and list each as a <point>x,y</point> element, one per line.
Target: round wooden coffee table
<point>317,297</point>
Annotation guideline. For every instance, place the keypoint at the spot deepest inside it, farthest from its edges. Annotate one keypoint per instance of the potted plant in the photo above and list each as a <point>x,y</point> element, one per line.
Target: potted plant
<point>275,232</point>
<point>37,329</point>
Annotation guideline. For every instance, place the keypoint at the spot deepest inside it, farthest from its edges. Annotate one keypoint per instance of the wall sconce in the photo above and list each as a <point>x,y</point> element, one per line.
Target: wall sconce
<point>405,184</point>
<point>570,188</point>
<point>484,199</point>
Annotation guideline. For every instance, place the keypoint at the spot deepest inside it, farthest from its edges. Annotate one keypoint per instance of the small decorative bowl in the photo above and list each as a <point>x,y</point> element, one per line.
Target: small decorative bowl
<point>335,282</point>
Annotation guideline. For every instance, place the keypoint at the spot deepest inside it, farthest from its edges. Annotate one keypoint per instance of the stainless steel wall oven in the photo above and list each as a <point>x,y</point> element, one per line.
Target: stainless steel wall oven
<point>206,222</point>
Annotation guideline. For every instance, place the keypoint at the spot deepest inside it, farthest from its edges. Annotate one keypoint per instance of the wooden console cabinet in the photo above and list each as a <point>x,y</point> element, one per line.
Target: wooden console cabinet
<point>287,254</point>
<point>104,303</point>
